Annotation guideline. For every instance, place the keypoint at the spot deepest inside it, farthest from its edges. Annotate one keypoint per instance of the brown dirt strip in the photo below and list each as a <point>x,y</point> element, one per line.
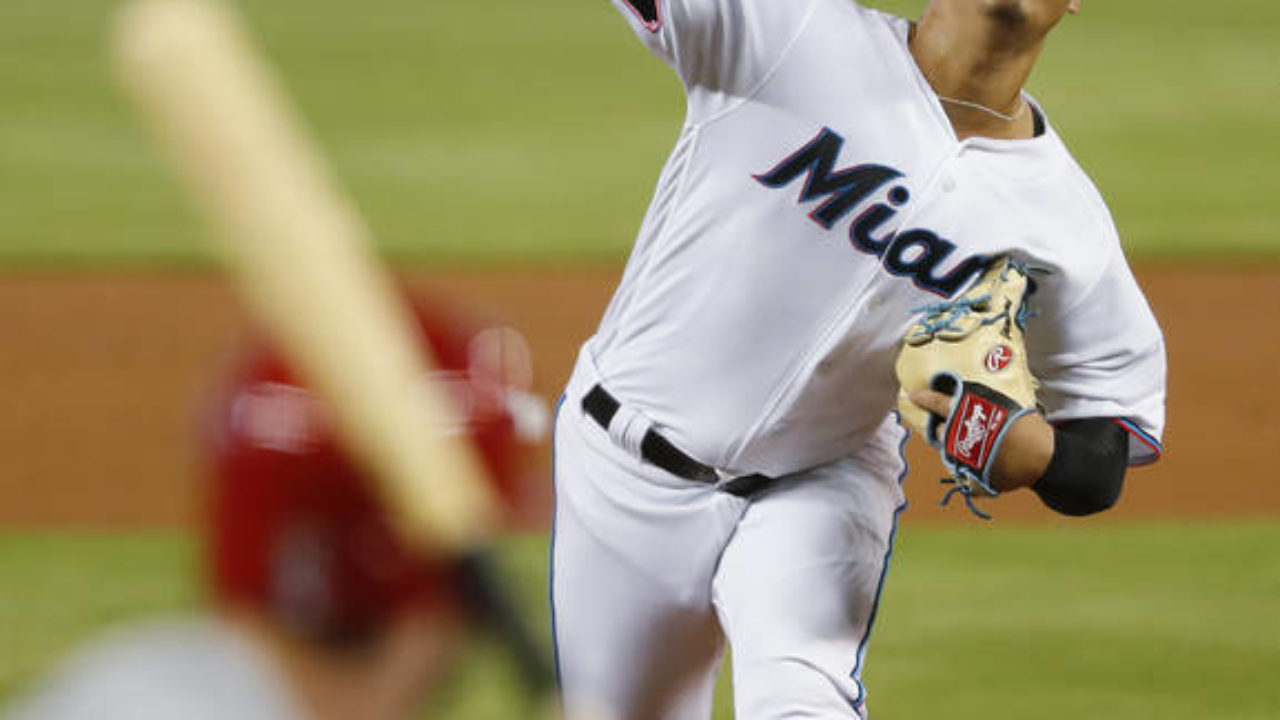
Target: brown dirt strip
<point>100,375</point>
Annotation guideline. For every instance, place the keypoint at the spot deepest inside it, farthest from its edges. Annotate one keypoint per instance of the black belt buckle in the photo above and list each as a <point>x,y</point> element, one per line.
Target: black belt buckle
<point>658,451</point>
<point>746,485</point>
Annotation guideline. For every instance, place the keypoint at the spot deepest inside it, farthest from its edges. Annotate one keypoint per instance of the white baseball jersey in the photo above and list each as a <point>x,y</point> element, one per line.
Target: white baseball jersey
<point>816,195</point>
<point>193,670</point>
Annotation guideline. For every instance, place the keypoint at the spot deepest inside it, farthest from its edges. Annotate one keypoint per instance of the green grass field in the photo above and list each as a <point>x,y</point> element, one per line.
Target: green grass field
<point>507,131</point>
<point>1145,622</point>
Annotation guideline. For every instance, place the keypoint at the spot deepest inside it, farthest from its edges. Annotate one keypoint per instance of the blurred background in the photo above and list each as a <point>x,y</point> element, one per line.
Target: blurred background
<point>503,153</point>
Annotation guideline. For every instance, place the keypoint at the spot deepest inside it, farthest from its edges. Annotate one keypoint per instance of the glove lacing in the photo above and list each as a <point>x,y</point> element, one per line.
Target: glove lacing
<point>965,490</point>
<point>942,316</point>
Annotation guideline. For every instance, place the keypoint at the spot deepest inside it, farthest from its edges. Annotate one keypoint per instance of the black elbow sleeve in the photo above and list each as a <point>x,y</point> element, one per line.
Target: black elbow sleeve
<point>1086,473</point>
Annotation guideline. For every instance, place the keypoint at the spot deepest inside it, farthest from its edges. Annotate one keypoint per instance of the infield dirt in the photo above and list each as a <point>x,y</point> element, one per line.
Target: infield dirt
<point>102,374</point>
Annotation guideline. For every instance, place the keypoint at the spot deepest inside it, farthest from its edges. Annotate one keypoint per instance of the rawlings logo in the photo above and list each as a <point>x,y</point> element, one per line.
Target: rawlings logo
<point>978,426</point>
<point>975,431</point>
<point>998,358</point>
<point>918,254</point>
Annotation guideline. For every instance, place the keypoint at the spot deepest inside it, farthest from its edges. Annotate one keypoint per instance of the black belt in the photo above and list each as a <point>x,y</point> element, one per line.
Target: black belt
<point>659,451</point>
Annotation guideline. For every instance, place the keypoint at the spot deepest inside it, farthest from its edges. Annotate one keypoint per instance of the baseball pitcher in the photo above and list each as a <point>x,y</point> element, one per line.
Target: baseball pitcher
<point>866,222</point>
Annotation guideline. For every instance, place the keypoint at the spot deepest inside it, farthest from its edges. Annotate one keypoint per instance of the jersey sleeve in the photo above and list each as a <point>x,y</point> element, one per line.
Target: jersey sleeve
<point>1104,356</point>
<point>719,46</point>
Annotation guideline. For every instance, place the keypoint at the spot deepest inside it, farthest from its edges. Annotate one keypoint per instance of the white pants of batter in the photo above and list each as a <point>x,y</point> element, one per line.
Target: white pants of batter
<point>650,574</point>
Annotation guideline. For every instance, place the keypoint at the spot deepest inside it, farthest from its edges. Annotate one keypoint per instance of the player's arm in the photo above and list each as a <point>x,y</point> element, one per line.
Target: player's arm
<point>1032,17</point>
<point>720,49</point>
<point>1075,467</point>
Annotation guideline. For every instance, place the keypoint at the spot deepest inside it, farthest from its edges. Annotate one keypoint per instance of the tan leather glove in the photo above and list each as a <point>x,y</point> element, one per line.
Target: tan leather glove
<point>971,348</point>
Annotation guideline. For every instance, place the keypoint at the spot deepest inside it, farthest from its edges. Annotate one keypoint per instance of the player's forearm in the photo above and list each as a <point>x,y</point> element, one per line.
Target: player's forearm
<point>1075,469</point>
<point>1025,454</point>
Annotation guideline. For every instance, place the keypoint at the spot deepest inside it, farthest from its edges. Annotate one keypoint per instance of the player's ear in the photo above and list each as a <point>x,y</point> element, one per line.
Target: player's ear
<point>1073,7</point>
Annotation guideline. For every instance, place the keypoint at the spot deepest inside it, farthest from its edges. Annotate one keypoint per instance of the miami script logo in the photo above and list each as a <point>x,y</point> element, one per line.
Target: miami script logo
<point>918,254</point>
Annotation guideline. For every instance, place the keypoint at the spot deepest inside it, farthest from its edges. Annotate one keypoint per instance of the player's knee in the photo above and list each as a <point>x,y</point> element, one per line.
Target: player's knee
<point>791,687</point>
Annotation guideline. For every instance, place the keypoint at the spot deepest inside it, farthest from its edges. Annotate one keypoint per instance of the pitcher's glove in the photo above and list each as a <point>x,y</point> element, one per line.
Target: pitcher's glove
<point>971,348</point>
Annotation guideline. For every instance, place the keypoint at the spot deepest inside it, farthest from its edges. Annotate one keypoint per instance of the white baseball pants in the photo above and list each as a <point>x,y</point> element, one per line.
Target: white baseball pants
<point>651,573</point>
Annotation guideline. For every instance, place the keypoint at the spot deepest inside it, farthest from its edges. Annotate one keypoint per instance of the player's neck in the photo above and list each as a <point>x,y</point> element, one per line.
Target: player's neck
<point>980,74</point>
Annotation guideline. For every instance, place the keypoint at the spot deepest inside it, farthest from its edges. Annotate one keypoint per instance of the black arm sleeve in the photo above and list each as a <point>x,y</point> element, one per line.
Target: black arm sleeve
<point>1086,473</point>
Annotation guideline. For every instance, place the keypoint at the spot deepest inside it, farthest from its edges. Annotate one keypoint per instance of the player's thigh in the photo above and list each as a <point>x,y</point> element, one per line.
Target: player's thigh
<point>633,556</point>
<point>797,590</point>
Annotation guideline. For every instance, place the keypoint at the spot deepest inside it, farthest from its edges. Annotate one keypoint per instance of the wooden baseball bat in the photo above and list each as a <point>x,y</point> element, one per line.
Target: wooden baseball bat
<point>304,263</point>
<point>302,258</point>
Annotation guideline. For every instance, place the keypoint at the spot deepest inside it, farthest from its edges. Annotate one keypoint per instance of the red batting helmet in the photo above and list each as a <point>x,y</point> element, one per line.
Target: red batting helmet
<point>297,530</point>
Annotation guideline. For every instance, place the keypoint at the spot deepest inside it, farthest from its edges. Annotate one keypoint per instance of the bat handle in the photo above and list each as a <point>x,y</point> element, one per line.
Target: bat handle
<point>490,602</point>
